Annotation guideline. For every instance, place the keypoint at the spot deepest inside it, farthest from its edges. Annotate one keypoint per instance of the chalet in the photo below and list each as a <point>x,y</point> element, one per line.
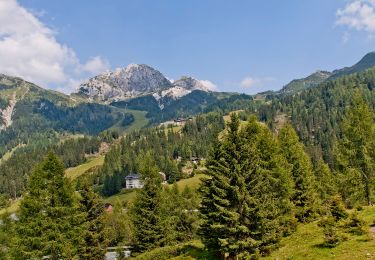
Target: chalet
<point>180,121</point>
<point>133,181</point>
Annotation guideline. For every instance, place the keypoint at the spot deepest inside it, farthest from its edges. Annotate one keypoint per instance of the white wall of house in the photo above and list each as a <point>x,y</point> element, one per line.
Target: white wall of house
<point>134,184</point>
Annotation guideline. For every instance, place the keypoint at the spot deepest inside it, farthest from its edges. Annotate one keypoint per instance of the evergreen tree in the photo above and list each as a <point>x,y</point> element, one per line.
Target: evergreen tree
<point>355,153</point>
<point>145,212</point>
<point>6,233</point>
<point>48,223</point>
<point>245,205</point>
<point>93,241</point>
<point>304,196</point>
<point>326,181</point>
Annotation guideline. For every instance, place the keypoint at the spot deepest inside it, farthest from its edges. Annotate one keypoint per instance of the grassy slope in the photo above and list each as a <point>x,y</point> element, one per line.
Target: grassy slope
<point>9,153</point>
<point>75,172</point>
<point>140,121</point>
<point>129,196</point>
<point>71,173</point>
<point>12,208</point>
<point>305,243</point>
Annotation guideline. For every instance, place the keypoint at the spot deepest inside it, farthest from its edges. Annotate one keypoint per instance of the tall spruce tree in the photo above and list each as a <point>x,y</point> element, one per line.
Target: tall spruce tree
<point>305,196</point>
<point>93,239</point>
<point>245,201</point>
<point>145,212</point>
<point>355,153</point>
<point>326,181</point>
<point>48,224</point>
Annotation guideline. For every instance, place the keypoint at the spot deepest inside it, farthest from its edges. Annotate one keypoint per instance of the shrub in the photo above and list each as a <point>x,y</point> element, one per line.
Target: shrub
<point>331,235</point>
<point>337,208</point>
<point>355,224</point>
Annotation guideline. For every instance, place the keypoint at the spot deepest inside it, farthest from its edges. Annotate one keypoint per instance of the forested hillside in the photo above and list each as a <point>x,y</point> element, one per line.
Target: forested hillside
<point>273,164</point>
<point>316,113</point>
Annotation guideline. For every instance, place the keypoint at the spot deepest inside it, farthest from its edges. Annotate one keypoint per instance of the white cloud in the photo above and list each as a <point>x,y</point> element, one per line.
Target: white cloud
<point>253,85</point>
<point>209,85</point>
<point>29,49</point>
<point>249,82</point>
<point>358,15</point>
<point>96,65</point>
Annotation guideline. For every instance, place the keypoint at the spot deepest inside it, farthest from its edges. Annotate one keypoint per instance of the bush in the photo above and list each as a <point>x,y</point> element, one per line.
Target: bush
<point>337,208</point>
<point>331,235</point>
<point>355,224</point>
<point>189,250</point>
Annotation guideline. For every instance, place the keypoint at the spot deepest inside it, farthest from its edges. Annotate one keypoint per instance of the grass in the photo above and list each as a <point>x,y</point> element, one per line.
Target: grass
<point>306,243</point>
<point>8,154</point>
<point>140,121</point>
<point>128,197</point>
<point>75,172</point>
<point>13,207</point>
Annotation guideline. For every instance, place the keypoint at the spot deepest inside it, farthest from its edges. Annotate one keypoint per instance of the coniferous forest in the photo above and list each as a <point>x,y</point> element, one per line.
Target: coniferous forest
<point>259,180</point>
<point>207,130</point>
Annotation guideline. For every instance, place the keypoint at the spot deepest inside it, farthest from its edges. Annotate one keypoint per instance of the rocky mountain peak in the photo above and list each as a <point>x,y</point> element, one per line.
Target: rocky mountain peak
<point>136,80</point>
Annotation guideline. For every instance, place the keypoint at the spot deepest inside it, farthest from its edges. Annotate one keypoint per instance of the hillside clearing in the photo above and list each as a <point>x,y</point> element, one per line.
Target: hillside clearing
<point>77,171</point>
<point>140,121</point>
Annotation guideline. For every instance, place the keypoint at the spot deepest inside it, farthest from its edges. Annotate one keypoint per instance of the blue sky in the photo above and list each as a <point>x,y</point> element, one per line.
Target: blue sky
<point>242,46</point>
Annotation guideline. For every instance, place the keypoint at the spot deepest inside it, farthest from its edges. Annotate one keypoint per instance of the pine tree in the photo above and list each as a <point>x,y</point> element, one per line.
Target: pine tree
<point>145,212</point>
<point>245,201</point>
<point>355,153</point>
<point>304,197</point>
<point>93,240</point>
<point>48,223</point>
<point>326,181</point>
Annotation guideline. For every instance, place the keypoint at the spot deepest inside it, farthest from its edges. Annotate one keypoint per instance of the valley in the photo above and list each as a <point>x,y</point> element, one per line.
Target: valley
<point>222,155</point>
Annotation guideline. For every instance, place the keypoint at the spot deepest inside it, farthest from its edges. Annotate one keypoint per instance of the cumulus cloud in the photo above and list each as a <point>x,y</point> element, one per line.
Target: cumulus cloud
<point>29,49</point>
<point>253,85</point>
<point>209,85</point>
<point>96,65</point>
<point>358,15</point>
<point>249,82</point>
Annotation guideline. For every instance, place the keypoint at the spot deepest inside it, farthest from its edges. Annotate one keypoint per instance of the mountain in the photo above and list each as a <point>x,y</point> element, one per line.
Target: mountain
<point>367,62</point>
<point>129,82</point>
<point>30,113</point>
<point>305,83</point>
<point>134,81</point>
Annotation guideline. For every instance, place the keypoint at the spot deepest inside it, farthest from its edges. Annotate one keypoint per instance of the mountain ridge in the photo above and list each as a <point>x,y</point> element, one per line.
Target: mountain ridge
<point>320,76</point>
<point>134,81</point>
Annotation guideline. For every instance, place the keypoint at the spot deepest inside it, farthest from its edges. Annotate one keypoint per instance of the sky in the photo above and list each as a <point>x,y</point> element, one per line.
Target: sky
<point>239,46</point>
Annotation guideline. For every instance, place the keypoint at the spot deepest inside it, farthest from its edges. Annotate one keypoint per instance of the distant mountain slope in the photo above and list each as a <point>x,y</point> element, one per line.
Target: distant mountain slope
<point>367,62</point>
<point>305,83</point>
<point>29,113</point>
<point>166,108</point>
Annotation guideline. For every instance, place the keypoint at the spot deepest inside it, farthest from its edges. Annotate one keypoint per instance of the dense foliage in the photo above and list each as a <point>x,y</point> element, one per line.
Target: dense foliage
<point>15,170</point>
<point>170,149</point>
<point>247,175</point>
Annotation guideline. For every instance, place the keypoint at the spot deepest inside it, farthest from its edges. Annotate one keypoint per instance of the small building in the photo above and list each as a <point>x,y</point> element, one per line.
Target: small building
<point>195,160</point>
<point>180,121</point>
<point>133,181</point>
